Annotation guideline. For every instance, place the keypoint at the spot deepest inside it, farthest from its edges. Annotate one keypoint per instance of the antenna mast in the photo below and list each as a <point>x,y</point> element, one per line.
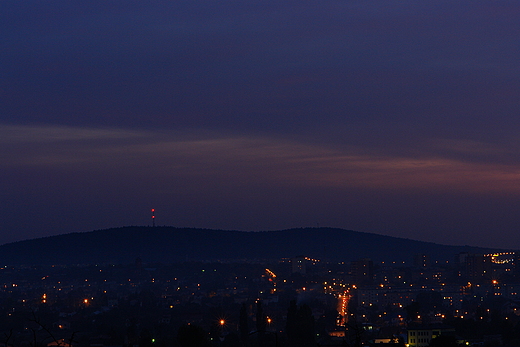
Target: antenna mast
<point>153,217</point>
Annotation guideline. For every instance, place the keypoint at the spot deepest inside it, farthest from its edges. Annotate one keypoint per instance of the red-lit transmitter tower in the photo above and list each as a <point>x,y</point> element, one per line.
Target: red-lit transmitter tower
<point>153,217</point>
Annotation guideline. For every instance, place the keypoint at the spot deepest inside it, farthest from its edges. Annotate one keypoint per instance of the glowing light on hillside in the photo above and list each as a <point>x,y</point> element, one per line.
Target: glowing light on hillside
<point>270,273</point>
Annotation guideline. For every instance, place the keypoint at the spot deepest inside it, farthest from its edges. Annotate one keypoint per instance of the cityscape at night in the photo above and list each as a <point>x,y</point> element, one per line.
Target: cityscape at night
<point>259,173</point>
<point>471,300</point>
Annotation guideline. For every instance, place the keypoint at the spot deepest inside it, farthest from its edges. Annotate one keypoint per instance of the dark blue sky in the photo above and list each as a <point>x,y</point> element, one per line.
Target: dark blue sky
<point>394,117</point>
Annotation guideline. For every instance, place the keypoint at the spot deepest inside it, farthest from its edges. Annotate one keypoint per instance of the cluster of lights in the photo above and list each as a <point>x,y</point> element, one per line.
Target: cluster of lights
<point>270,273</point>
<point>502,258</point>
<point>343,300</point>
<point>312,260</point>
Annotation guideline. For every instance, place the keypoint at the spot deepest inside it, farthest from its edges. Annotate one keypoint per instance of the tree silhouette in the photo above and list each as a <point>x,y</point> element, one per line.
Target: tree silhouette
<point>243,325</point>
<point>145,339</point>
<point>261,323</point>
<point>444,341</point>
<point>291,327</point>
<point>190,335</point>
<point>300,325</point>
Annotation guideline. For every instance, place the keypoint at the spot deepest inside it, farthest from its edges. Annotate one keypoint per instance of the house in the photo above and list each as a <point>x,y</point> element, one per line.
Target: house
<point>420,335</point>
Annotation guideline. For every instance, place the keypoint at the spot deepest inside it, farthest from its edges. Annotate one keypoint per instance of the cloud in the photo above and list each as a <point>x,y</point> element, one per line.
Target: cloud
<point>12,134</point>
<point>252,160</point>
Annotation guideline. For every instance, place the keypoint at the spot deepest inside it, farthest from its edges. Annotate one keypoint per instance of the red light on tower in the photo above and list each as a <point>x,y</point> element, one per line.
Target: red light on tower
<point>153,217</point>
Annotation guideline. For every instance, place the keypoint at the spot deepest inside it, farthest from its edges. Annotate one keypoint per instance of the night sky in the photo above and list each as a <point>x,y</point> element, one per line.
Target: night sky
<point>399,118</point>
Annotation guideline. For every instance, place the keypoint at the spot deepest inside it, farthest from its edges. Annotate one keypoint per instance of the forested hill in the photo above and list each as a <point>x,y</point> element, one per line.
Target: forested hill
<point>169,245</point>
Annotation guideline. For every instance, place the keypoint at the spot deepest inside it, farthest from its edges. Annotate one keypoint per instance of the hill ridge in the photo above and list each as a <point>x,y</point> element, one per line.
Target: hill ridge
<point>168,244</point>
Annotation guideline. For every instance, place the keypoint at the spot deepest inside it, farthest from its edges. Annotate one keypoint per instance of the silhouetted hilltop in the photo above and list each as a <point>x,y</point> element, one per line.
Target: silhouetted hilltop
<point>169,245</point>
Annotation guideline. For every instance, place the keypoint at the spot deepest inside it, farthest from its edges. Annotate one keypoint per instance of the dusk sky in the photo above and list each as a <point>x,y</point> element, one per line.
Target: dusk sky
<point>399,118</point>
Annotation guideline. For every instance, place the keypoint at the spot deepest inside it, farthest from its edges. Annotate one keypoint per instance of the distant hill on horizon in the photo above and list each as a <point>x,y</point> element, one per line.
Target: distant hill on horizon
<point>172,245</point>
